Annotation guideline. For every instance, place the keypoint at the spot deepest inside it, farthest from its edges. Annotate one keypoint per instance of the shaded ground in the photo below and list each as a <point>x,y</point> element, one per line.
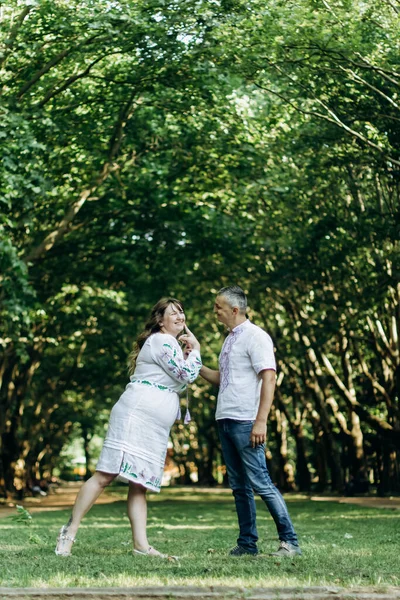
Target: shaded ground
<point>63,498</point>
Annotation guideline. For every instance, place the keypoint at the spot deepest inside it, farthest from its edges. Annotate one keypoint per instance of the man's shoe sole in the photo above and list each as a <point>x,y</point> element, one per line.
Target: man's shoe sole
<point>285,554</point>
<point>239,554</point>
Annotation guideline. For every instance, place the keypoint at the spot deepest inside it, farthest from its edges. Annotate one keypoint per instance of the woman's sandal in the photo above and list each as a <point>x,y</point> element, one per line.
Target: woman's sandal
<point>64,542</point>
<point>150,552</point>
<point>153,552</point>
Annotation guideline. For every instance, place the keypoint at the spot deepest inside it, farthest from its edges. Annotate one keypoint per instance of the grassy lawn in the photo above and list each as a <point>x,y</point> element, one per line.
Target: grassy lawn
<point>342,545</point>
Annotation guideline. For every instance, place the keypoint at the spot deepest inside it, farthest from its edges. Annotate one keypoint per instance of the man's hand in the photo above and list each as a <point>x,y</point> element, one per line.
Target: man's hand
<point>258,433</point>
<point>190,340</point>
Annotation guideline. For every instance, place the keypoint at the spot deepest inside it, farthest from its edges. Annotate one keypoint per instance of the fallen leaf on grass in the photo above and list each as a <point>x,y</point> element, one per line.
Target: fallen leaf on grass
<point>173,558</point>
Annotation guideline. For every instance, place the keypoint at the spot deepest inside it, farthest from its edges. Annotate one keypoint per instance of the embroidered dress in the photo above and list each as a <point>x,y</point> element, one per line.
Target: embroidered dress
<point>140,422</point>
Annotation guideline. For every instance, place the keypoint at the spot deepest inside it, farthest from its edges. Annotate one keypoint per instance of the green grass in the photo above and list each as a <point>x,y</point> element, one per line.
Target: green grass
<point>200,528</point>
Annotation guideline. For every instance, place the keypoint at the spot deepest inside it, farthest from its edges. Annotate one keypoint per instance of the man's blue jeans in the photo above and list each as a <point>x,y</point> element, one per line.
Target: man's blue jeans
<point>248,472</point>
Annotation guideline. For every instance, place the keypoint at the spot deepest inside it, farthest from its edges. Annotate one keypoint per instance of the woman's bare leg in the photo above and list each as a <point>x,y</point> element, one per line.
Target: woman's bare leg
<point>87,496</point>
<point>137,513</point>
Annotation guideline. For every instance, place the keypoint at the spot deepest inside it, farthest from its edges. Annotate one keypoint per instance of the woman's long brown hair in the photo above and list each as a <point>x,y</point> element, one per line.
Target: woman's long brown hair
<point>152,326</point>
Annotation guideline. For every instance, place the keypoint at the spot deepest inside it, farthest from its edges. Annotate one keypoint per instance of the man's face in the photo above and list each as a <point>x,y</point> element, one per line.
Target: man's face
<point>224,312</point>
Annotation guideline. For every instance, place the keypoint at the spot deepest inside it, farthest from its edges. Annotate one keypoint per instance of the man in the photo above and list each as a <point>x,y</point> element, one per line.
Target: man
<point>246,379</point>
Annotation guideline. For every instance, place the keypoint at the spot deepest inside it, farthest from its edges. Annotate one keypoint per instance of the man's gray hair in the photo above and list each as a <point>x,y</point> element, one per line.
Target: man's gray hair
<point>235,297</point>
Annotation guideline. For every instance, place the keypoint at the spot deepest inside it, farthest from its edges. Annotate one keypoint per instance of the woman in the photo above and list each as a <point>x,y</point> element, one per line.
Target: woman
<point>136,443</point>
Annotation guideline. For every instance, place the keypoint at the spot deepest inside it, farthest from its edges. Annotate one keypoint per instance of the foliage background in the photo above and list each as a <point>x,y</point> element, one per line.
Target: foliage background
<point>161,147</point>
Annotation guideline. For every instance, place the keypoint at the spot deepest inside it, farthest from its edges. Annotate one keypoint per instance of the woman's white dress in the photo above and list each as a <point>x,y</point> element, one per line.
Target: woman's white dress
<point>140,422</point>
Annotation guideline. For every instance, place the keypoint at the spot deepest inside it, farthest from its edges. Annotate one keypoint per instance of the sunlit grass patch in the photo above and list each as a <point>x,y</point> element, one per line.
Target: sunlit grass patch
<point>342,545</point>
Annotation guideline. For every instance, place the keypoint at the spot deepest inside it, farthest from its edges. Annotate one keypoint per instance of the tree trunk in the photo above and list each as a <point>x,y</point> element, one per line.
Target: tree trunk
<point>87,436</point>
<point>296,424</point>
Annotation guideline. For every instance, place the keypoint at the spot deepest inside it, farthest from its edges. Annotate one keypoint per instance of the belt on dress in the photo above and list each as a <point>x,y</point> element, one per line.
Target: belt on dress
<point>159,386</point>
<point>165,388</point>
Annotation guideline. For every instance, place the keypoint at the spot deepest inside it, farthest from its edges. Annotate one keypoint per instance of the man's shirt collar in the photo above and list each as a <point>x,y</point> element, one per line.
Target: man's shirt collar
<point>239,328</point>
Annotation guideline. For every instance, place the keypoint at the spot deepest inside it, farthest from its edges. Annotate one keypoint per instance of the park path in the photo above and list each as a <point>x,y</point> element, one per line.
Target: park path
<point>63,498</point>
<point>370,501</point>
<point>198,593</point>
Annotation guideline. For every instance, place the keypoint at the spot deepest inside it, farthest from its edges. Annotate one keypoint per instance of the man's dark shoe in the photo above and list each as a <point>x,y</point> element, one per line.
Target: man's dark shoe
<point>287,550</point>
<point>240,551</point>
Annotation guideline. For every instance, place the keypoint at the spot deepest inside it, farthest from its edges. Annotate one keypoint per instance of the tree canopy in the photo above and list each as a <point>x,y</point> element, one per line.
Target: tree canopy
<point>159,147</point>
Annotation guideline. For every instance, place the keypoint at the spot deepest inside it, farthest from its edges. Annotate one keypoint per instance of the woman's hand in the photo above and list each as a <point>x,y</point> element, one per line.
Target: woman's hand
<point>190,341</point>
<point>187,349</point>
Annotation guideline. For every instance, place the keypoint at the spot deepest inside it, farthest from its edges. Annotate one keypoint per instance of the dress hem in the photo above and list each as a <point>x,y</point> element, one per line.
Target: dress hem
<point>146,485</point>
<point>131,469</point>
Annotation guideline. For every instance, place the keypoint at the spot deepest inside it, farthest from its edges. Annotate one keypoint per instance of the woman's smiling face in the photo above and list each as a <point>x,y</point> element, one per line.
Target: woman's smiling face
<point>173,320</point>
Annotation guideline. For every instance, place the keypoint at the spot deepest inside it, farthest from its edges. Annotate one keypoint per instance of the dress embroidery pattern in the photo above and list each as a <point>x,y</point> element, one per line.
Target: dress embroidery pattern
<point>224,357</point>
<point>130,470</point>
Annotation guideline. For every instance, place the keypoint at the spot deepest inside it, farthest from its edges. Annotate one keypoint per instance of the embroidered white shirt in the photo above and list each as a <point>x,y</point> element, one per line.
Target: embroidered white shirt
<point>246,352</point>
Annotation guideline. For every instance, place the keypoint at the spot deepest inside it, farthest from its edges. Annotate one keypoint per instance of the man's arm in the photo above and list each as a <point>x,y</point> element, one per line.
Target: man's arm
<point>210,375</point>
<point>259,431</point>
